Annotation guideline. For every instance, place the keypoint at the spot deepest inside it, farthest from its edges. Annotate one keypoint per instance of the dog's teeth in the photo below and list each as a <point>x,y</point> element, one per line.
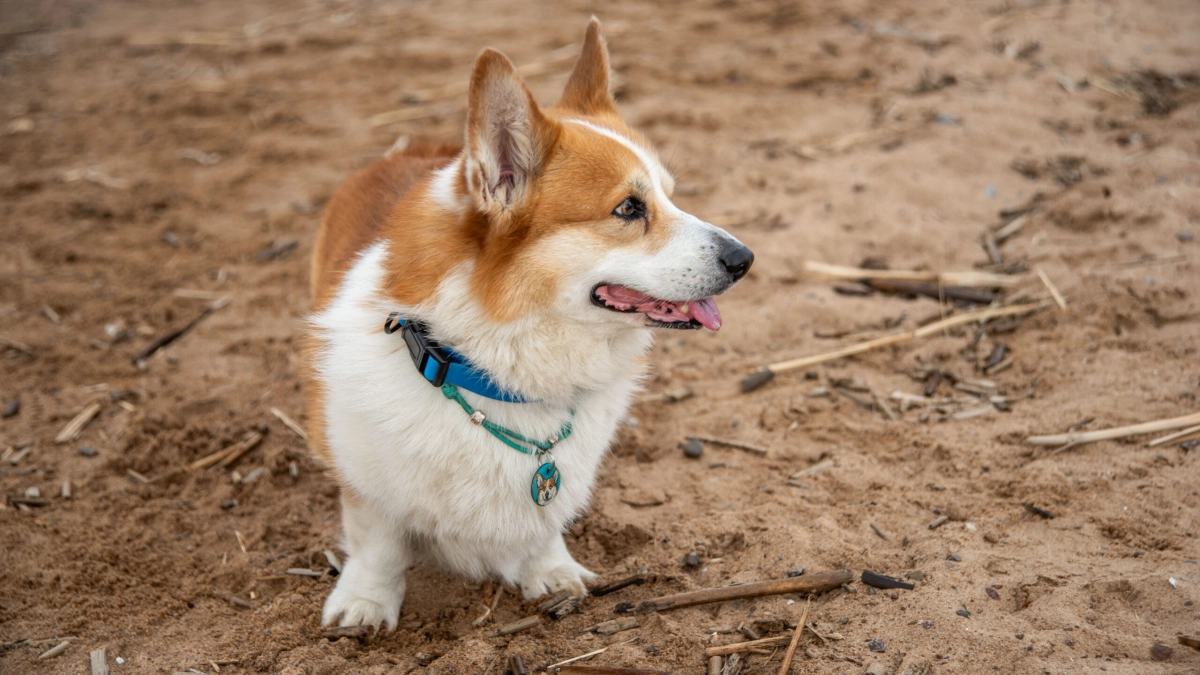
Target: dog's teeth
<point>683,308</point>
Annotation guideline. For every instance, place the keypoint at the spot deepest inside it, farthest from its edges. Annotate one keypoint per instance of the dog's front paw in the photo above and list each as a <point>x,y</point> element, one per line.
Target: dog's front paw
<point>351,606</point>
<point>568,575</point>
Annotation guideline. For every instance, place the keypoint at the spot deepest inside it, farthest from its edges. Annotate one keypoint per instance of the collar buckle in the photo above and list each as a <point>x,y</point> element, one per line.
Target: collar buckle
<point>432,361</point>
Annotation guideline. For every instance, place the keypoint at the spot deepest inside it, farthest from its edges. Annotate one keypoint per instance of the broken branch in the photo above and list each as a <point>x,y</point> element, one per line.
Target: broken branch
<point>809,583</point>
<point>1116,432</point>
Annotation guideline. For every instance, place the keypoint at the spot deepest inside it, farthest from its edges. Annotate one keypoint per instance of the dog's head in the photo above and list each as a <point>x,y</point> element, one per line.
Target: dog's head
<point>574,209</point>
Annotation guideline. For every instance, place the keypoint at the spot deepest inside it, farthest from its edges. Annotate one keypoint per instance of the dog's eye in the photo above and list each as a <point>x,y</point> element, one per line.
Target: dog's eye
<point>630,209</point>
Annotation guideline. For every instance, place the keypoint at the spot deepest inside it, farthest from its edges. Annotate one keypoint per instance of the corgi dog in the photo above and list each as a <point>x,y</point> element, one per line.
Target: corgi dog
<point>480,321</point>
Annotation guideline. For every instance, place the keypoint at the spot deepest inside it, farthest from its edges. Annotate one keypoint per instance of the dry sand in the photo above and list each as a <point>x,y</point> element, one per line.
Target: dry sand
<point>149,148</point>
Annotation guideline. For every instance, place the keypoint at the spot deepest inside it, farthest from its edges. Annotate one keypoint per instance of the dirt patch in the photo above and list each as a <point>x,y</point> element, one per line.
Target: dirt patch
<point>155,157</point>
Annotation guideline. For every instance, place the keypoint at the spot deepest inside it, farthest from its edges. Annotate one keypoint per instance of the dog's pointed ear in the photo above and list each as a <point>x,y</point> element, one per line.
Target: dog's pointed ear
<point>587,90</point>
<point>507,135</point>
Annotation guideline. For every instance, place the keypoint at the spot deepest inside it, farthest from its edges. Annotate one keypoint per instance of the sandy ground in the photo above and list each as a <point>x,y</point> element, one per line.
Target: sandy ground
<point>151,154</point>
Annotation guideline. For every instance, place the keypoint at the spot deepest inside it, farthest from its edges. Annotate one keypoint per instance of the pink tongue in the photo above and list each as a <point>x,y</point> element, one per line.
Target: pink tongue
<point>705,311</point>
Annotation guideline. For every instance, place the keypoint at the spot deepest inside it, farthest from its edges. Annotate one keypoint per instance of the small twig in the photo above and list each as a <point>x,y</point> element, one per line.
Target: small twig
<point>809,583</point>
<point>767,372</point>
<point>1058,298</point>
<point>1171,437</point>
<point>617,585</point>
<point>733,444</point>
<point>879,531</point>
<point>791,650</point>
<point>167,338</point>
<point>736,647</point>
<point>290,423</point>
<point>55,650</point>
<point>968,279</point>
<point>76,425</point>
<point>610,670</point>
<point>19,346</point>
<point>584,657</point>
<point>515,627</point>
<point>1117,432</point>
<point>489,609</point>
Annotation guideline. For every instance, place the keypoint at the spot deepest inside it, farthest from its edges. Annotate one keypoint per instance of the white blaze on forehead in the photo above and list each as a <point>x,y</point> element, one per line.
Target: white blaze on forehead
<point>650,163</point>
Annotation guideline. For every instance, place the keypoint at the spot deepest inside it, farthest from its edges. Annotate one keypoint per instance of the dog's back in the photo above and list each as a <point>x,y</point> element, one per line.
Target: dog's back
<point>359,209</point>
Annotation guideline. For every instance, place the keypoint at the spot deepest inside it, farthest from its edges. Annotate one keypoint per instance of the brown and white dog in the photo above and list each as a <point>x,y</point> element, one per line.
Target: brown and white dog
<point>541,253</point>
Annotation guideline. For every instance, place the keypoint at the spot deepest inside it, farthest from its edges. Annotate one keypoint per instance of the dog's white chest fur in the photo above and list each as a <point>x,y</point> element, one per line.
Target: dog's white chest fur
<point>430,480</point>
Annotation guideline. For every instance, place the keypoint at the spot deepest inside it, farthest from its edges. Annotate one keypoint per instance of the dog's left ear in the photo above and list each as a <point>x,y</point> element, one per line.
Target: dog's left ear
<point>587,90</point>
<point>507,136</point>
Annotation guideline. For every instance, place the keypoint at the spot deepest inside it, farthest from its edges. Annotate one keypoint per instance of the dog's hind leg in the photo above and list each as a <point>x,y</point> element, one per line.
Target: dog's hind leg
<point>371,586</point>
<point>552,569</point>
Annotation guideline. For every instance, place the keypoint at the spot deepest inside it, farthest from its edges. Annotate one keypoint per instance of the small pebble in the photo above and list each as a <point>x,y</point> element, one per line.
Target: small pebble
<point>229,504</point>
<point>879,645</point>
<point>963,613</point>
<point>916,575</point>
<point>894,596</point>
<point>1070,642</point>
<point>1160,652</point>
<point>1189,603</point>
<point>796,573</point>
<point>13,407</point>
<point>992,592</point>
<point>88,451</point>
<point>1020,636</point>
<point>876,669</point>
<point>693,449</point>
<point>954,556</point>
<point>1184,237</point>
<point>691,560</point>
<point>811,653</point>
<point>927,624</point>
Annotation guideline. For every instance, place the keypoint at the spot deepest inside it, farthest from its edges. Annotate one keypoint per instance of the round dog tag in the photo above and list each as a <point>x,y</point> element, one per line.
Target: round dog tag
<point>545,484</point>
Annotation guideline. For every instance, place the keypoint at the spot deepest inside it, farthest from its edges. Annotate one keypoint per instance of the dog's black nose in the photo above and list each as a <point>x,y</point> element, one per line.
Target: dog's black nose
<point>736,259</point>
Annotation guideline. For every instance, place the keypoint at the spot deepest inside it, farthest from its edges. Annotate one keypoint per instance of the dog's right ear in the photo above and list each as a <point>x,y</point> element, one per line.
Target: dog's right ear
<point>507,137</point>
<point>587,90</point>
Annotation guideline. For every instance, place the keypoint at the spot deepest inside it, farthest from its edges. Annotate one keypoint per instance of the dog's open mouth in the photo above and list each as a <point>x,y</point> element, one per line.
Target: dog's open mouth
<point>664,313</point>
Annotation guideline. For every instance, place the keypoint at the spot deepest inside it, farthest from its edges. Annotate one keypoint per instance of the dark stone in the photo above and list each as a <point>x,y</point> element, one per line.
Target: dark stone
<point>795,573</point>
<point>88,451</point>
<point>1160,652</point>
<point>229,504</point>
<point>13,407</point>
<point>691,561</point>
<point>954,556</point>
<point>879,645</point>
<point>963,613</point>
<point>693,449</point>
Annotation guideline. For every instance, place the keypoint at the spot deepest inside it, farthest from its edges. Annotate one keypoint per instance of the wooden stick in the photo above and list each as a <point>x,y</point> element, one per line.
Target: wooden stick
<point>733,444</point>
<point>19,346</point>
<point>76,425</point>
<point>809,583</point>
<point>609,670</point>
<point>235,453</point>
<point>290,423</point>
<point>55,650</point>
<point>1116,432</point>
<point>969,279</point>
<point>791,650</point>
<point>924,331</point>
<point>588,655</point>
<point>99,661</point>
<point>615,586</point>
<point>1179,434</point>
<point>1058,298</point>
<point>736,647</point>
<point>516,626</point>
<point>166,339</point>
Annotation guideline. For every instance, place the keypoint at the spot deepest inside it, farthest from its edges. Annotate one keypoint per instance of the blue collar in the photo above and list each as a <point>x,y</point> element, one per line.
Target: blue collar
<point>442,365</point>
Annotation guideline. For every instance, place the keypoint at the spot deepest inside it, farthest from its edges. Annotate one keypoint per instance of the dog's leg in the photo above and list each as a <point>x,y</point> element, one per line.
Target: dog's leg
<point>552,569</point>
<point>371,586</point>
